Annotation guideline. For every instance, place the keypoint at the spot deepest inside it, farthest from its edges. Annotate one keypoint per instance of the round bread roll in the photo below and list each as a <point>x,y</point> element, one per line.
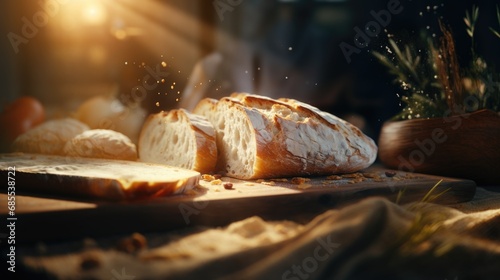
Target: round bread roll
<point>109,113</point>
<point>49,137</point>
<point>101,143</point>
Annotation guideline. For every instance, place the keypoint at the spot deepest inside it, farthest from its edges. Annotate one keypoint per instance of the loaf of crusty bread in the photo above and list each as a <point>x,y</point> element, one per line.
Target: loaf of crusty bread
<point>101,143</point>
<point>49,137</point>
<point>260,137</point>
<point>178,138</point>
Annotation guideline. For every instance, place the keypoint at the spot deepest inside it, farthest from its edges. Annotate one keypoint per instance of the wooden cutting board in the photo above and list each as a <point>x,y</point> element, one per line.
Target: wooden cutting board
<point>93,178</point>
<point>44,217</point>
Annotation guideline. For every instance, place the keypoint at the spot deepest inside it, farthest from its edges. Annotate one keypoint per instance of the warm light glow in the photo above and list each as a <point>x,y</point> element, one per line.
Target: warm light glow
<point>93,12</point>
<point>153,24</point>
<point>74,15</point>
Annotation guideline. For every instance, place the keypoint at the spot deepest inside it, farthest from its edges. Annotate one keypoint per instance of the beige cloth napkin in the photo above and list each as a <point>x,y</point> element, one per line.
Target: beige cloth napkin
<point>371,239</point>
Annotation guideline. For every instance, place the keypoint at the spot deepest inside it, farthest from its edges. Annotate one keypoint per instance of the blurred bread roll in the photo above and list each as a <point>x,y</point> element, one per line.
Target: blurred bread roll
<point>101,143</point>
<point>49,137</point>
<point>109,113</point>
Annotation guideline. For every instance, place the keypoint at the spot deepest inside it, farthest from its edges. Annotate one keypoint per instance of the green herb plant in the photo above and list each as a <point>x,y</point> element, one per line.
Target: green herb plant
<point>433,83</point>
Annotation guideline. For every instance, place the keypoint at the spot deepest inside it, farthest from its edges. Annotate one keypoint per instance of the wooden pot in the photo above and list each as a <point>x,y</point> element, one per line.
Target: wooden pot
<point>464,146</point>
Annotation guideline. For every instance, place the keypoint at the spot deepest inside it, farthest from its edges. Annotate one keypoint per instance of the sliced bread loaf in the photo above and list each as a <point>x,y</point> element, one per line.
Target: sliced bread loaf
<point>178,138</point>
<point>259,137</point>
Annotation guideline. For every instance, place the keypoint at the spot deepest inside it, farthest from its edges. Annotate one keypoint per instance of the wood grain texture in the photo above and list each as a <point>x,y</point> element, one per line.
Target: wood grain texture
<point>46,218</point>
<point>464,146</point>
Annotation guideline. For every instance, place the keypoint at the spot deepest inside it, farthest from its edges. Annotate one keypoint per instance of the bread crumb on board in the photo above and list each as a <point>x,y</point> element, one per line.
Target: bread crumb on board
<point>267,183</point>
<point>357,177</point>
<point>299,180</point>
<point>355,180</point>
<point>352,175</point>
<point>207,177</point>
<point>334,180</point>
<point>216,182</point>
<point>334,177</point>
<point>371,175</point>
<point>304,186</point>
<point>281,180</point>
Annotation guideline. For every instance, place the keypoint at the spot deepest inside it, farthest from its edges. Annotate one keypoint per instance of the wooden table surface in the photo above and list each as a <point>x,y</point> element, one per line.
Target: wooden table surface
<point>42,217</point>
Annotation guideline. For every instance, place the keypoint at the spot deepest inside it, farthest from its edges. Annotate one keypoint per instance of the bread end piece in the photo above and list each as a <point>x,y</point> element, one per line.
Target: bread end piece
<point>235,135</point>
<point>178,138</point>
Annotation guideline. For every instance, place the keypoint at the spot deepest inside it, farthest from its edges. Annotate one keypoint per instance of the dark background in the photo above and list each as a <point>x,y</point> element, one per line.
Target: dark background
<point>274,48</point>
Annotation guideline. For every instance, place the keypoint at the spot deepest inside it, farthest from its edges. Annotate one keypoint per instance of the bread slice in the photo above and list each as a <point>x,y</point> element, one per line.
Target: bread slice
<point>96,178</point>
<point>178,138</point>
<point>101,143</point>
<point>260,137</point>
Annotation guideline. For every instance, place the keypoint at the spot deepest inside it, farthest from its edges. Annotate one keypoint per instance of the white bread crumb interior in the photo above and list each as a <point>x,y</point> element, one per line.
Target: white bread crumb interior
<point>178,138</point>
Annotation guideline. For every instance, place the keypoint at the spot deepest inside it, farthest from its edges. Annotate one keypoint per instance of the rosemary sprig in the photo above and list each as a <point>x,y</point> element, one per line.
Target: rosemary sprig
<point>470,21</point>
<point>497,33</point>
<point>433,81</point>
<point>414,71</point>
